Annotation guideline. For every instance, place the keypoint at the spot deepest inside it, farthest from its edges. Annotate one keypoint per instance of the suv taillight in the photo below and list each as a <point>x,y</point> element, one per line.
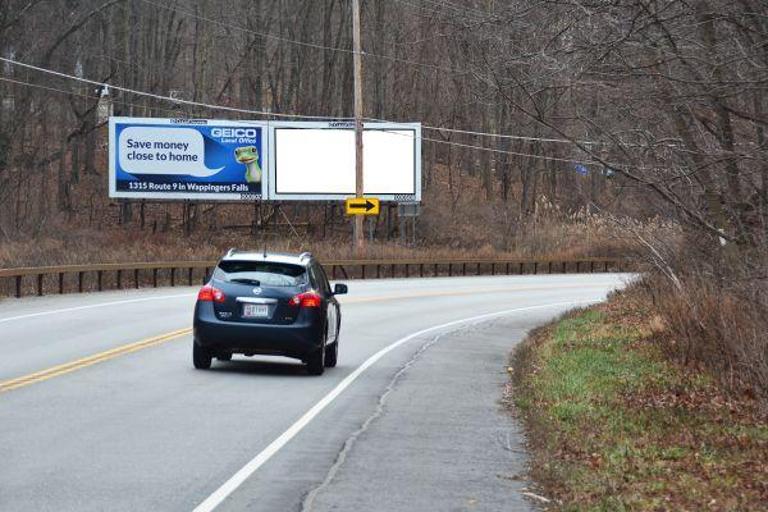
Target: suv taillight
<point>210,294</point>
<point>306,300</point>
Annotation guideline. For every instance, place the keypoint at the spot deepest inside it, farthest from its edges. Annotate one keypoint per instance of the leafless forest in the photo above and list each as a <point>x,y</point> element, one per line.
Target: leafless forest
<point>550,126</point>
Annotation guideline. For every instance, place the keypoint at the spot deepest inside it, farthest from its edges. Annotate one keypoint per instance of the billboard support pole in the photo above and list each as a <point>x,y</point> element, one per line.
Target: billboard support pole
<point>359,234</point>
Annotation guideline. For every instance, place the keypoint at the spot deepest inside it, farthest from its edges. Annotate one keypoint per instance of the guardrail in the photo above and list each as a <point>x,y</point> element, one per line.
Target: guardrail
<point>84,278</point>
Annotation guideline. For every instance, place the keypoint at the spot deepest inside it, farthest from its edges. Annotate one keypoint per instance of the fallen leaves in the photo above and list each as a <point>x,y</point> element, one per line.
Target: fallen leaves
<point>661,437</point>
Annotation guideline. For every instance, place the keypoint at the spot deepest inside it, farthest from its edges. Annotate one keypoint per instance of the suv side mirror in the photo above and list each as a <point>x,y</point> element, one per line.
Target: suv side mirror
<point>340,289</point>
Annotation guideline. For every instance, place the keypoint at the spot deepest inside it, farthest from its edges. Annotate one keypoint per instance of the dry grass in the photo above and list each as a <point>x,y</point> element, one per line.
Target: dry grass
<point>453,224</point>
<point>89,246</point>
<point>615,425</point>
<point>718,324</point>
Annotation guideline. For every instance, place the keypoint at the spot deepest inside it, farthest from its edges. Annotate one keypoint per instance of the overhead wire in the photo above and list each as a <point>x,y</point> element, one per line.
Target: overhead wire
<point>160,96</point>
<point>366,54</point>
<point>238,110</point>
<point>83,95</point>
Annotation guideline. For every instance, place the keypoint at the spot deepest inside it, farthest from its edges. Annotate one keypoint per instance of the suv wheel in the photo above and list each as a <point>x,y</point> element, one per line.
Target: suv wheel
<point>201,358</point>
<point>316,361</point>
<point>332,354</point>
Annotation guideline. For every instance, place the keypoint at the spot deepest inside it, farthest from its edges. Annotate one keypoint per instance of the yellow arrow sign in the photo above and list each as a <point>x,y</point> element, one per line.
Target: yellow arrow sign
<point>362,206</point>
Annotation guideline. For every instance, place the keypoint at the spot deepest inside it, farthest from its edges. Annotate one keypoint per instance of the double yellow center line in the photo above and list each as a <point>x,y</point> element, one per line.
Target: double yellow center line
<point>72,366</point>
<point>79,364</point>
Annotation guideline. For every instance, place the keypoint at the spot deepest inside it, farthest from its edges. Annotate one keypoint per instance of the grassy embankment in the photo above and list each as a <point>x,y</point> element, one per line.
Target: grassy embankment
<point>615,425</point>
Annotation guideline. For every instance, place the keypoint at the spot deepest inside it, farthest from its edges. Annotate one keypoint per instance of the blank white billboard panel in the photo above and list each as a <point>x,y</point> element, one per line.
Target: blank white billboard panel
<point>315,161</point>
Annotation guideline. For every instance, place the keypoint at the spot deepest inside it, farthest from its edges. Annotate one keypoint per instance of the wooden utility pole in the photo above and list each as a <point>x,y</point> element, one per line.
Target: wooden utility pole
<point>357,59</point>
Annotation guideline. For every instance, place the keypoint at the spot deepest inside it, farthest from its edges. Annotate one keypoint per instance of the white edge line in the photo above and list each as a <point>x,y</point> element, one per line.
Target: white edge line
<point>220,494</point>
<point>93,306</point>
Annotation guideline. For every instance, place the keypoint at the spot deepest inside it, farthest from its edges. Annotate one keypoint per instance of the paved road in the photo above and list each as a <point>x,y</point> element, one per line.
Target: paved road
<point>409,420</point>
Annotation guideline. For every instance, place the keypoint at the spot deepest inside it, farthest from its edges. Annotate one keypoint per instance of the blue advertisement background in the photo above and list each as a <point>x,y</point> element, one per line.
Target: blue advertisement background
<point>219,152</point>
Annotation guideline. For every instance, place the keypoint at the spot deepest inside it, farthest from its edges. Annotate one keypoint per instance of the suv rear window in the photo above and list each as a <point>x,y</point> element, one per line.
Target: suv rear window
<point>266,273</point>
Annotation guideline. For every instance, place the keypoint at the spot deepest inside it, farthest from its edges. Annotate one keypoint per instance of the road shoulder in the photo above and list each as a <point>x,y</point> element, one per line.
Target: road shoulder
<point>439,438</point>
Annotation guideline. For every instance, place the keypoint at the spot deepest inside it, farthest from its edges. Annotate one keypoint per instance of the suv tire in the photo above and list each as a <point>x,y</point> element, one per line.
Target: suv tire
<point>201,358</point>
<point>316,361</point>
<point>332,354</point>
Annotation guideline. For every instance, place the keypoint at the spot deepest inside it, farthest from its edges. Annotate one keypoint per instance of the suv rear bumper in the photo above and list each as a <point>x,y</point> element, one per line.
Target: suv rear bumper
<point>296,340</point>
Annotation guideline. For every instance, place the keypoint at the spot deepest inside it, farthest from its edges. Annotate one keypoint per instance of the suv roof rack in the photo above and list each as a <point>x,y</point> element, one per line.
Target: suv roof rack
<point>231,251</point>
<point>305,255</point>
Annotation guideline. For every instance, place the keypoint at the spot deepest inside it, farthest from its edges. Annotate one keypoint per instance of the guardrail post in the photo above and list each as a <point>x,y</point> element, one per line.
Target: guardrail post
<point>564,268</point>
<point>521,268</point>
<point>205,275</point>
<point>80,282</point>
<point>535,267</point>
<point>39,285</point>
<point>333,272</point>
<point>464,269</point>
<point>378,271</point>
<point>136,278</point>
<point>393,271</point>
<point>362,271</point>
<point>578,267</point>
<point>173,276</point>
<point>434,271</point>
<point>507,269</point>
<point>61,283</point>
<point>591,267</point>
<point>154,278</point>
<point>406,271</point>
<point>606,266</point>
<point>18,287</point>
<point>549,267</point>
<point>493,269</point>
<point>450,269</point>
<point>189,276</point>
<point>119,279</point>
<point>477,270</point>
<point>421,270</point>
<point>100,280</point>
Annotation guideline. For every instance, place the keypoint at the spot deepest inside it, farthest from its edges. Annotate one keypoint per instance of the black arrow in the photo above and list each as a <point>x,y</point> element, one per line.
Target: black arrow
<point>368,206</point>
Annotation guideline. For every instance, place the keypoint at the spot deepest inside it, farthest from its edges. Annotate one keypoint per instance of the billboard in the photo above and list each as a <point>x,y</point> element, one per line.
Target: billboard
<point>203,159</point>
<point>313,161</point>
<point>153,158</point>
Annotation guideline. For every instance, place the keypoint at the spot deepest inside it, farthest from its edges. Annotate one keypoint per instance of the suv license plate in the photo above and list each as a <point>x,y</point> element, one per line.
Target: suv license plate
<point>255,311</point>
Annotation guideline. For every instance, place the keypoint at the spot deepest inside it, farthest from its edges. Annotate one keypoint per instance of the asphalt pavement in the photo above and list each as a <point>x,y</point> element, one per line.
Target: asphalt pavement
<point>107,413</point>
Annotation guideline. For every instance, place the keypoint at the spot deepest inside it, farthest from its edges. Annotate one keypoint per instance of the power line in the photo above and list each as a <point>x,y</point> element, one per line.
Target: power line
<point>493,135</point>
<point>497,151</point>
<point>267,113</point>
<point>325,118</point>
<point>82,95</point>
<point>159,96</point>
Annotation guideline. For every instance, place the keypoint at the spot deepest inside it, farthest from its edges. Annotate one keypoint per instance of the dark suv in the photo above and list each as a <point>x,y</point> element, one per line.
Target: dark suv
<point>272,304</point>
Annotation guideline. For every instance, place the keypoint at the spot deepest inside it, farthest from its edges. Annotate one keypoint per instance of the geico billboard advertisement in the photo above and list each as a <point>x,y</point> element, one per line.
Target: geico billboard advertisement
<point>316,161</point>
<point>186,159</point>
<point>272,160</point>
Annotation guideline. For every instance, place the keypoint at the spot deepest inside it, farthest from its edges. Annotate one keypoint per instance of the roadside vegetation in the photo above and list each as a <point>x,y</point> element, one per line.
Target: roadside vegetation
<point>471,227</point>
<point>617,421</point>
